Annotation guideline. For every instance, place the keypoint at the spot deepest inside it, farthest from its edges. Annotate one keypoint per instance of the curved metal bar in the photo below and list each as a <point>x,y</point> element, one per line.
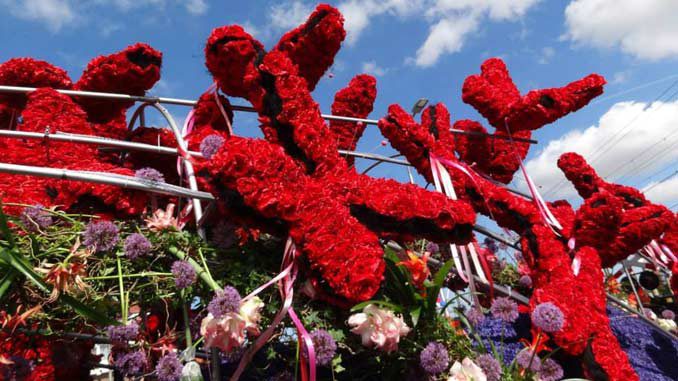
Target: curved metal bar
<point>188,102</point>
<point>379,161</point>
<point>122,181</point>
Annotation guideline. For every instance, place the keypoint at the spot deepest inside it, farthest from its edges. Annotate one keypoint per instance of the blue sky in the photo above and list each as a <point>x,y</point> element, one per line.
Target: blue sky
<point>419,48</point>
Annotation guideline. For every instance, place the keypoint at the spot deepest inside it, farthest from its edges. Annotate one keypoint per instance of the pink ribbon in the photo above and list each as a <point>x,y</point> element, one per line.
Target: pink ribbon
<point>285,281</point>
<point>214,88</point>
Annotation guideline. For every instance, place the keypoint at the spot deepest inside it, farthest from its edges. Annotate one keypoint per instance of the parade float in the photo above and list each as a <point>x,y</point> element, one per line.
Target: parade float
<point>190,252</point>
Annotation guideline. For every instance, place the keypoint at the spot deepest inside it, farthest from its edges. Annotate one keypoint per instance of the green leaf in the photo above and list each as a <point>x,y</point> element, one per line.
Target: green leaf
<point>19,263</point>
<point>392,306</point>
<point>432,292</point>
<point>415,314</point>
<point>4,228</point>
<point>6,281</point>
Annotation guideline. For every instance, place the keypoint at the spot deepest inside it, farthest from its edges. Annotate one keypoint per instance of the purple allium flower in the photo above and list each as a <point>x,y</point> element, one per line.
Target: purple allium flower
<point>210,145</point>
<point>184,274</point>
<point>169,368</point>
<point>101,236</point>
<point>550,371</point>
<point>548,317</point>
<point>149,174</point>
<point>224,302</point>
<point>525,281</point>
<point>136,245</point>
<point>490,366</point>
<point>121,334</point>
<point>434,359</point>
<point>432,247</point>
<point>131,363</point>
<point>529,360</point>
<point>475,316</point>
<point>223,235</point>
<point>35,217</point>
<point>324,345</point>
<point>505,309</point>
<point>668,314</point>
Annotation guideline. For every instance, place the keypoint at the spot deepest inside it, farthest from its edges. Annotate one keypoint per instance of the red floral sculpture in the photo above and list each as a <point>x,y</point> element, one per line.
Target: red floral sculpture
<point>494,95</point>
<point>132,71</point>
<point>577,289</point>
<point>296,182</point>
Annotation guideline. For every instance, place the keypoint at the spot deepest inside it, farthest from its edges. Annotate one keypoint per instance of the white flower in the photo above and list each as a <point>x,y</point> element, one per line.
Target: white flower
<point>667,324</point>
<point>249,312</point>
<point>191,372</point>
<point>228,331</point>
<point>466,370</point>
<point>378,328</point>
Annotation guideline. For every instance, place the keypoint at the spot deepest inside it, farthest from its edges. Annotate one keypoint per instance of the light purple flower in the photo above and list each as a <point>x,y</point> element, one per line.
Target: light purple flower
<point>527,359</point>
<point>548,317</point>
<point>34,218</point>
<point>169,368</point>
<point>184,274</point>
<point>101,236</point>
<point>550,371</point>
<point>432,247</point>
<point>210,145</point>
<point>525,281</point>
<point>475,316</point>
<point>668,314</point>
<point>150,174</point>
<point>224,302</point>
<point>505,309</point>
<point>324,345</point>
<point>434,359</point>
<point>131,363</point>
<point>490,366</point>
<point>136,245</point>
<point>121,334</point>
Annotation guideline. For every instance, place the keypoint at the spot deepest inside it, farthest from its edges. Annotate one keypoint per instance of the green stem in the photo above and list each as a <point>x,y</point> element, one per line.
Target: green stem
<point>204,276</point>
<point>204,264</point>
<point>123,302</point>
<point>139,275</point>
<point>296,361</point>
<point>187,322</point>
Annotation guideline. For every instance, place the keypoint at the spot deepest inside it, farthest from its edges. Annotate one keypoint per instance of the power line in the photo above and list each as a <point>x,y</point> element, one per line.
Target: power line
<point>659,182</point>
<point>644,164</point>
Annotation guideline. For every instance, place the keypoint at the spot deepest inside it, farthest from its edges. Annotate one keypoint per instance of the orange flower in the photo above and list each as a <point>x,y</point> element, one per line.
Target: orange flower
<point>11,323</point>
<point>63,276</point>
<point>417,267</point>
<point>164,220</point>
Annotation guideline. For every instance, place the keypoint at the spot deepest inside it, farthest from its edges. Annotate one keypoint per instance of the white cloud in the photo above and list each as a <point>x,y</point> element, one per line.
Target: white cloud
<point>371,67</point>
<point>644,148</point>
<point>358,13</point>
<point>665,192</point>
<point>287,15</point>
<point>546,55</point>
<point>196,7</point>
<point>446,36</point>
<point>620,77</point>
<point>646,29</point>
<point>55,14</point>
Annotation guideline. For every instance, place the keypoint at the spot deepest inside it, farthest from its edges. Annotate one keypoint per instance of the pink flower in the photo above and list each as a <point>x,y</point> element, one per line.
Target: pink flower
<point>466,370</point>
<point>378,328</point>
<point>165,220</point>
<point>228,331</point>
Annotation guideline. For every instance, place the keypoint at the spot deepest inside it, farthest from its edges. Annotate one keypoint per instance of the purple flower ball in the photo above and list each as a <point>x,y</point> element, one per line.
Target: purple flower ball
<point>525,281</point>
<point>184,274</point>
<point>324,345</point>
<point>432,247</point>
<point>434,359</point>
<point>475,316</point>
<point>150,174</point>
<point>550,371</point>
<point>131,363</point>
<point>101,236</point>
<point>35,218</point>
<point>121,334</point>
<point>505,309</point>
<point>136,245</point>
<point>668,314</point>
<point>210,145</point>
<point>224,302</point>
<point>527,359</point>
<point>548,317</point>
<point>490,366</point>
<point>169,368</point>
<point>223,235</point>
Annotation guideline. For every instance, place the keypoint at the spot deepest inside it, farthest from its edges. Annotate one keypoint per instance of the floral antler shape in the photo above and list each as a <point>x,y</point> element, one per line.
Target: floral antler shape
<point>494,95</point>
<point>132,71</point>
<point>572,288</point>
<point>296,181</point>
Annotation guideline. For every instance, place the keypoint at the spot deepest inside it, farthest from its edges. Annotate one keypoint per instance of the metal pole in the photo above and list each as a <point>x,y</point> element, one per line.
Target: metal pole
<point>188,102</point>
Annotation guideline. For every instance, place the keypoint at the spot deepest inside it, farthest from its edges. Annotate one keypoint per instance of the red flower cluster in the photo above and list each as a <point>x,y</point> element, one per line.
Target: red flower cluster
<point>297,182</point>
<point>494,95</point>
<point>640,221</point>
<point>578,291</point>
<point>130,71</point>
<point>40,358</point>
